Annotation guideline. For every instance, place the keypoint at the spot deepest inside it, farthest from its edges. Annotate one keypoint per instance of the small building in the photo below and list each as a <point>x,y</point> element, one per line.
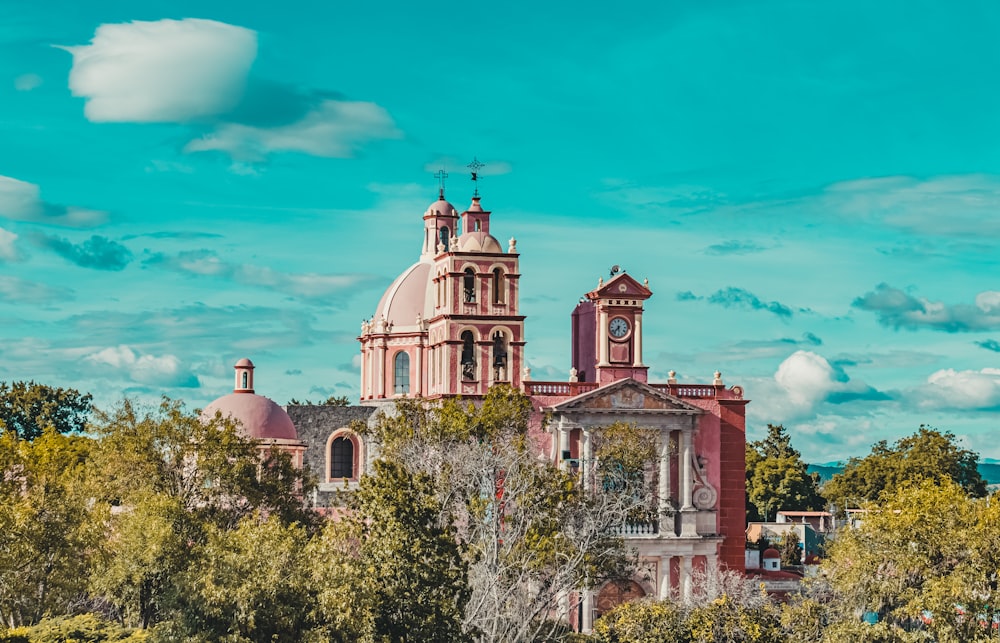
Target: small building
<point>820,521</point>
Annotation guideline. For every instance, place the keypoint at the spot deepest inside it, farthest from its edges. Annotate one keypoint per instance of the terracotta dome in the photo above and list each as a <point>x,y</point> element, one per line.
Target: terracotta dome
<point>259,417</point>
<point>443,208</point>
<point>409,295</point>
<point>478,242</point>
<point>771,552</point>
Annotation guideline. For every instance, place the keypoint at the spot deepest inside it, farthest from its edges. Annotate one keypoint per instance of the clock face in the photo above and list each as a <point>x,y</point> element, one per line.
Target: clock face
<point>619,327</point>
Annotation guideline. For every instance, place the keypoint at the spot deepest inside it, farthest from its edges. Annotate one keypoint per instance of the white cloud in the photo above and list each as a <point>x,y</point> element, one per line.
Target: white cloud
<point>20,200</point>
<point>8,252</point>
<point>145,369</point>
<point>27,82</point>
<point>968,390</point>
<point>334,129</point>
<point>805,384</point>
<point>163,71</point>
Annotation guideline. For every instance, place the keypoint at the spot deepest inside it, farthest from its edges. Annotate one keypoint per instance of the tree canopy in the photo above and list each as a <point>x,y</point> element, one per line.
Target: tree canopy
<point>777,477</point>
<point>28,408</point>
<point>928,454</point>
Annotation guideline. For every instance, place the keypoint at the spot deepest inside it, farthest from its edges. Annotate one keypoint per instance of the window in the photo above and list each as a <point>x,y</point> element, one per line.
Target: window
<point>499,357</point>
<point>478,225</point>
<point>401,379</point>
<point>468,357</point>
<point>342,458</point>
<point>498,286</point>
<point>246,379</point>
<point>445,235</point>
<point>469,286</point>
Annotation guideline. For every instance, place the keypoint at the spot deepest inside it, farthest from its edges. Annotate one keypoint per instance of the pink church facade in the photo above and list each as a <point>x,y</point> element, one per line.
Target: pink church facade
<point>450,325</point>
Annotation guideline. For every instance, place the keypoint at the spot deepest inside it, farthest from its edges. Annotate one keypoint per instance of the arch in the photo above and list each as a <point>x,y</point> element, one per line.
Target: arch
<point>444,235</point>
<point>344,455</point>
<point>616,592</point>
<point>499,285</point>
<point>468,356</point>
<point>499,356</point>
<point>469,285</point>
<point>401,373</point>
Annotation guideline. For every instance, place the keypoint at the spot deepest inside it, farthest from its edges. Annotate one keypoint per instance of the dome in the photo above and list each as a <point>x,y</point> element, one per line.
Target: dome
<point>443,208</point>
<point>478,242</point>
<point>260,418</point>
<point>410,295</point>
<point>771,552</point>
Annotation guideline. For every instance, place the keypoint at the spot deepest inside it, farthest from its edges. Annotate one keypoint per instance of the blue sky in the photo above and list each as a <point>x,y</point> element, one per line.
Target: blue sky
<point>812,190</point>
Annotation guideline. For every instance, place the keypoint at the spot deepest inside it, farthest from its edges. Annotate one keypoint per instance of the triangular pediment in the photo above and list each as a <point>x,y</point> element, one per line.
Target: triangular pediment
<point>621,285</point>
<point>626,396</point>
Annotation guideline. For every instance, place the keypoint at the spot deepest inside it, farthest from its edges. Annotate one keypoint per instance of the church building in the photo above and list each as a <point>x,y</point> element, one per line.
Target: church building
<point>451,325</point>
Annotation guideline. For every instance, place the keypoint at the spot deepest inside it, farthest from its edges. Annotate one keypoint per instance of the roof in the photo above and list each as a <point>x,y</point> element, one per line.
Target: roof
<point>806,514</point>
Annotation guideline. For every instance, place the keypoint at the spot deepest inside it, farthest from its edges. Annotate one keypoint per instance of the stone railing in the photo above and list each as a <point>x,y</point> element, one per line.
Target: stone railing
<point>638,529</point>
<point>571,389</point>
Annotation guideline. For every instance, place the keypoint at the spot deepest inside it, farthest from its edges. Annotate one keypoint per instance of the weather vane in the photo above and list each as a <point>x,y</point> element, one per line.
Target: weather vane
<point>475,166</point>
<point>441,175</point>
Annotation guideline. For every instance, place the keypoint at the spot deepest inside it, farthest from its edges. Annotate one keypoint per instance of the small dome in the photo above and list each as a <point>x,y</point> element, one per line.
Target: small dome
<point>443,208</point>
<point>245,362</point>
<point>771,552</point>
<point>259,417</point>
<point>478,242</point>
<point>410,295</point>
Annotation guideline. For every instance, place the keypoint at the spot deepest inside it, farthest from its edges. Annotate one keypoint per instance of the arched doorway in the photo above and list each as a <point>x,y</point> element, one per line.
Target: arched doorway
<point>614,593</point>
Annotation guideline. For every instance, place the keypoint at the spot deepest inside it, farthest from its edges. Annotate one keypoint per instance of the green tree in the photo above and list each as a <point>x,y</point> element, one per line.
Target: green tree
<point>172,478</point>
<point>249,584</point>
<point>643,622</point>
<point>530,532</point>
<point>925,559</point>
<point>777,477</point>
<point>395,570</point>
<point>28,408</point>
<point>47,525</point>
<point>928,454</point>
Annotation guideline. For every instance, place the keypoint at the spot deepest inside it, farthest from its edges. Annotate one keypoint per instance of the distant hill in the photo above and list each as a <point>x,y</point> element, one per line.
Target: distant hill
<point>989,469</point>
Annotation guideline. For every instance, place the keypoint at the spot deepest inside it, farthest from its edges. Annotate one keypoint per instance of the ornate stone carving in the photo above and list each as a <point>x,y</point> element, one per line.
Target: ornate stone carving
<point>704,496</point>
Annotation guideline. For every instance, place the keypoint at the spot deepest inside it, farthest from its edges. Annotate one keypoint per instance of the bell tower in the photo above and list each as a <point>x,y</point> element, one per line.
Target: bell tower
<point>607,331</point>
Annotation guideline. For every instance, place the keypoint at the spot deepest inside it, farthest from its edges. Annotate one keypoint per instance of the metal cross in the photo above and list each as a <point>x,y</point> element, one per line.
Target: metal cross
<point>441,175</point>
<point>475,166</point>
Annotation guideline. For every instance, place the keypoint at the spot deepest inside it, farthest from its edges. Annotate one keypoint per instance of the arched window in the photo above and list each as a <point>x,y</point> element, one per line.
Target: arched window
<point>469,286</point>
<point>342,458</point>
<point>499,357</point>
<point>479,225</point>
<point>498,286</point>
<point>401,375</point>
<point>468,357</point>
<point>246,379</point>
<point>445,235</point>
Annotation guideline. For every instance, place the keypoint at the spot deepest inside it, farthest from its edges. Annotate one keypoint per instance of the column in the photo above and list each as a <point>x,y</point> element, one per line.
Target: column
<point>712,566</point>
<point>686,587</point>
<point>686,470</point>
<point>563,445</point>
<point>419,389</point>
<point>602,338</point>
<point>364,372</point>
<point>380,371</point>
<point>637,343</point>
<point>665,577</point>
<point>588,610</point>
<point>588,456</point>
<point>666,520</point>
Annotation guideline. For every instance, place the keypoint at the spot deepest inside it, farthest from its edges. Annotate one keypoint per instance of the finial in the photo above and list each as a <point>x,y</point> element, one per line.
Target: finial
<point>718,379</point>
<point>615,269</point>
<point>645,283</point>
<point>475,166</point>
<point>672,377</point>
<point>574,375</point>
<point>527,374</point>
<point>600,281</point>
<point>512,245</point>
<point>441,175</point>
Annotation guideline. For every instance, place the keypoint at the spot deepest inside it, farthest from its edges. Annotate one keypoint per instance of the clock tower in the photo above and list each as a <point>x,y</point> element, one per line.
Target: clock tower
<point>607,331</point>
